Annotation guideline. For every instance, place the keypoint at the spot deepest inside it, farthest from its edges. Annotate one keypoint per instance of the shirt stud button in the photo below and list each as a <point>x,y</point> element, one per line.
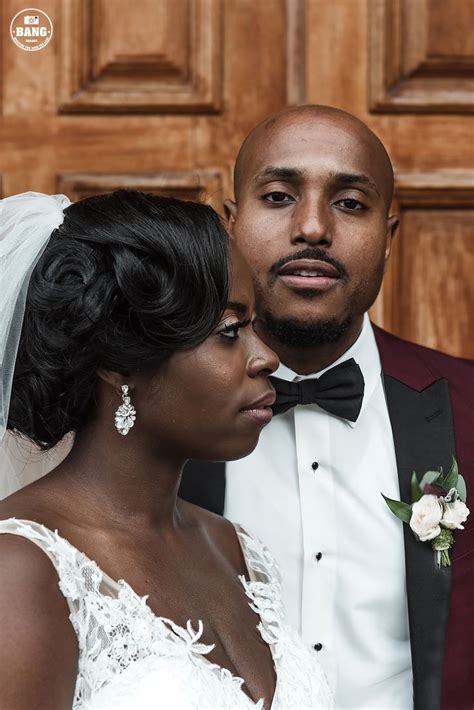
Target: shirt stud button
<point>318,556</point>
<point>315,465</point>
<point>318,646</point>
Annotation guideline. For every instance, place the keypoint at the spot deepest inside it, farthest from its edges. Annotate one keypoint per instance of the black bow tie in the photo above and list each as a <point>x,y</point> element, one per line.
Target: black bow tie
<point>339,391</point>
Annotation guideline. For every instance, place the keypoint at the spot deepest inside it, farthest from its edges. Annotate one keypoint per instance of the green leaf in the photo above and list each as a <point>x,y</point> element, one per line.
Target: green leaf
<point>398,508</point>
<point>430,477</point>
<point>451,478</point>
<point>416,491</point>
<point>461,488</point>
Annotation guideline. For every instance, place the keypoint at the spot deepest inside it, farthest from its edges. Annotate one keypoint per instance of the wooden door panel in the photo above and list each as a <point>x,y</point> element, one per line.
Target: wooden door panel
<point>436,290</point>
<point>158,38</point>
<point>448,31</point>
<point>428,291</point>
<point>196,185</point>
<point>421,56</point>
<point>140,57</point>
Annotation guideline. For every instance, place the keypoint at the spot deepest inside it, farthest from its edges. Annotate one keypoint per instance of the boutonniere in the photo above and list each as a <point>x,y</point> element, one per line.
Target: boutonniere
<point>438,507</point>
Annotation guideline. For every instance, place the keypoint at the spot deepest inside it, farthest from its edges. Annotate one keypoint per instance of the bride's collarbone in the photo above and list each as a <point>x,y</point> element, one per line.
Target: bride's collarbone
<point>229,625</point>
<point>199,583</point>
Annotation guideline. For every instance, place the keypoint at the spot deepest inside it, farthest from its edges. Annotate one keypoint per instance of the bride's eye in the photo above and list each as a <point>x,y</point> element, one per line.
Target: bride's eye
<point>231,330</point>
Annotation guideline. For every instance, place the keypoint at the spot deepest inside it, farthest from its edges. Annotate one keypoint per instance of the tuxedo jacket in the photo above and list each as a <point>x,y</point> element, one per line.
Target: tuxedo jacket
<point>430,400</point>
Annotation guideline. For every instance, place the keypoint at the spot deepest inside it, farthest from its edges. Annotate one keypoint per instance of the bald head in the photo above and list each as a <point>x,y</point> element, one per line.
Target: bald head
<point>322,120</point>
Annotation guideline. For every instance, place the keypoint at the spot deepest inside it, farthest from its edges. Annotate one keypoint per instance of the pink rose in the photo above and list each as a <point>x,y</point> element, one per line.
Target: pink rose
<point>426,517</point>
<point>454,514</point>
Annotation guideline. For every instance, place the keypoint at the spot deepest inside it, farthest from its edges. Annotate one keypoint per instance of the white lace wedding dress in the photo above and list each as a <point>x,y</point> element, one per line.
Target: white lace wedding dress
<point>131,659</point>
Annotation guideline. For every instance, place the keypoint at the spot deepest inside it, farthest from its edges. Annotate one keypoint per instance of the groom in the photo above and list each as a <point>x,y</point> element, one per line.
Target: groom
<point>313,188</point>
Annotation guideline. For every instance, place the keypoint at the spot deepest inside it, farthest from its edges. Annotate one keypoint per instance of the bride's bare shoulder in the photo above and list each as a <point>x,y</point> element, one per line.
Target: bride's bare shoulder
<point>42,502</point>
<point>37,635</point>
<point>23,506</point>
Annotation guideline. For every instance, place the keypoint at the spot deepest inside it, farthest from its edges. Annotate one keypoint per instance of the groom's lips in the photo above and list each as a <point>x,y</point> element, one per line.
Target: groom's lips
<point>309,274</point>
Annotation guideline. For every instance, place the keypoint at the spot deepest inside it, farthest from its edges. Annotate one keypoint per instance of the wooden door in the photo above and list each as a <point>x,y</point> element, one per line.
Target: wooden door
<point>406,68</point>
<point>159,94</point>
<point>155,94</point>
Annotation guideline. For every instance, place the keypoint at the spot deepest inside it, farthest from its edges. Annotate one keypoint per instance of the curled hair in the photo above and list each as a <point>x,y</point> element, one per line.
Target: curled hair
<point>127,280</point>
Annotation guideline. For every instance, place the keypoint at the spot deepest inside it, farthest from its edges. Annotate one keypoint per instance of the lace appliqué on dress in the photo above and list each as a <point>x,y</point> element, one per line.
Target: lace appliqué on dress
<point>132,659</point>
<point>301,682</point>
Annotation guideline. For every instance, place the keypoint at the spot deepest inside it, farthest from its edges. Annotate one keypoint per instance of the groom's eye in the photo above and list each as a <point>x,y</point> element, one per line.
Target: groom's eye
<point>277,197</point>
<point>349,203</point>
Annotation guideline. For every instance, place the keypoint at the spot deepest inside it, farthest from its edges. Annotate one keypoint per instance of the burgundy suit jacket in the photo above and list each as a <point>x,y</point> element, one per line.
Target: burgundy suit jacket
<point>422,385</point>
<point>430,399</point>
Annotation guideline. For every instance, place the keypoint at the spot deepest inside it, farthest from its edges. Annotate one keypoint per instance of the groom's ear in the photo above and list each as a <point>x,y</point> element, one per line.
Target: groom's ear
<point>230,212</point>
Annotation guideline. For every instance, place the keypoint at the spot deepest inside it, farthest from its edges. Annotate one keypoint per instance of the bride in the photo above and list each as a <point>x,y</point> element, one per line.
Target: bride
<point>126,322</point>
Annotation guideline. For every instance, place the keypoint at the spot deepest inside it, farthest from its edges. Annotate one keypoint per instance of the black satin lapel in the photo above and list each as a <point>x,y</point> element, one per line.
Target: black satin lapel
<point>423,433</point>
<point>203,483</point>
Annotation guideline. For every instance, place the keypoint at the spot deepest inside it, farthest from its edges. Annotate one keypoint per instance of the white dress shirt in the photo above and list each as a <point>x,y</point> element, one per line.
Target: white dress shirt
<point>312,492</point>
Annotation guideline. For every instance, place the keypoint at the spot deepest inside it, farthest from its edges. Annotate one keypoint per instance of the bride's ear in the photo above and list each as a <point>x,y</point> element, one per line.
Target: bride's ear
<point>113,378</point>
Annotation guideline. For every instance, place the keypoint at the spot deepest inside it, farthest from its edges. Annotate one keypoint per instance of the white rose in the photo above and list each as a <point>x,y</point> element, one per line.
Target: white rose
<point>454,514</point>
<point>426,517</point>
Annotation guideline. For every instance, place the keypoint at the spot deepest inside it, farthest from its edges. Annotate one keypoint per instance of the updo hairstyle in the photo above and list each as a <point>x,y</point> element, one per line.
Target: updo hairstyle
<point>127,280</point>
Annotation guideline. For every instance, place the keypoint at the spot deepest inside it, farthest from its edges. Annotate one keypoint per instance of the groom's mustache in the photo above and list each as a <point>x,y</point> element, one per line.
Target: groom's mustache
<point>314,253</point>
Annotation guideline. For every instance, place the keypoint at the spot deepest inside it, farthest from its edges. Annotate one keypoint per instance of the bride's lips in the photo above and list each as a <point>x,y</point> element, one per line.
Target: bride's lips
<point>309,274</point>
<point>260,410</point>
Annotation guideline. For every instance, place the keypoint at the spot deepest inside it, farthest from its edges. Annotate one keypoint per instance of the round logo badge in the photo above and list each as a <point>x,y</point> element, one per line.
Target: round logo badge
<point>31,29</point>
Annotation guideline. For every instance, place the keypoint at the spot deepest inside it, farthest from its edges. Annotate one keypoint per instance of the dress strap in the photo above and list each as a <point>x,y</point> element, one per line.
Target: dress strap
<point>261,564</point>
<point>42,537</point>
<point>69,563</point>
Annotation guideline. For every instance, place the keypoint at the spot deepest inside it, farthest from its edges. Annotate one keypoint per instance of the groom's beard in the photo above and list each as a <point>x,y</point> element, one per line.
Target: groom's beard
<point>306,334</point>
<point>297,333</point>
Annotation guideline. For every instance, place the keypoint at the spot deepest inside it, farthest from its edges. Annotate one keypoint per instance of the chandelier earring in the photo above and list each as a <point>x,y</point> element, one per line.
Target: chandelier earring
<point>126,414</point>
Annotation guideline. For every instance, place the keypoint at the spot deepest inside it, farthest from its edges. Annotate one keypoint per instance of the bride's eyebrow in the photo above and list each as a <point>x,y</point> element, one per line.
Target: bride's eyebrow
<point>240,308</point>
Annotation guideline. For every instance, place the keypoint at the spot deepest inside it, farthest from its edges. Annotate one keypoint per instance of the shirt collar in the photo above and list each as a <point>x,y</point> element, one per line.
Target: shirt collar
<point>365,353</point>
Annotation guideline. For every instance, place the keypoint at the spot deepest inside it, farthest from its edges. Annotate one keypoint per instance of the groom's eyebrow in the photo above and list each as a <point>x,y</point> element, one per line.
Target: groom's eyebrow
<point>348,179</point>
<point>273,172</point>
